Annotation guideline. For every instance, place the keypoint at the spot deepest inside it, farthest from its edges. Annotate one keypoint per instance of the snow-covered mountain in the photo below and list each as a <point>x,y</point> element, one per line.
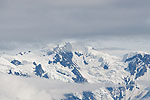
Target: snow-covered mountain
<point>86,65</point>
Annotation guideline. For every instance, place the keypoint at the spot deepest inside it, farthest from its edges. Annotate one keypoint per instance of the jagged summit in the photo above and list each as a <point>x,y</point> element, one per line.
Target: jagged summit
<point>131,54</point>
<point>66,47</point>
<point>138,64</point>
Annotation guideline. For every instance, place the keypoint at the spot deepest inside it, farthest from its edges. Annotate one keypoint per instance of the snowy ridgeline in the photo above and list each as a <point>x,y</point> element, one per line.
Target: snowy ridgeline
<point>65,73</point>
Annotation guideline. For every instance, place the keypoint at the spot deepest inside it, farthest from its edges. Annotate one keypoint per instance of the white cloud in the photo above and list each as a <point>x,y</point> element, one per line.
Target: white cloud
<point>20,88</point>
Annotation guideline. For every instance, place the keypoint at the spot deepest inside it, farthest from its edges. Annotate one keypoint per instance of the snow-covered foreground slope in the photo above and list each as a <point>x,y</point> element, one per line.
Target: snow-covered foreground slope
<point>114,78</point>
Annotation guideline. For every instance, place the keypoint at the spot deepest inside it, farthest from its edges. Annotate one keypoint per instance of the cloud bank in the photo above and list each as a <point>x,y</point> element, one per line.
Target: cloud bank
<point>20,88</point>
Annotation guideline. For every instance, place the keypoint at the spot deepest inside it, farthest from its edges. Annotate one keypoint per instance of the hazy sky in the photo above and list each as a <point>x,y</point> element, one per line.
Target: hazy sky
<point>55,20</point>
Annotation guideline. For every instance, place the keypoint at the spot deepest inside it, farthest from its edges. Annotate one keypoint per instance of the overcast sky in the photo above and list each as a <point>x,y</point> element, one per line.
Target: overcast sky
<point>28,21</point>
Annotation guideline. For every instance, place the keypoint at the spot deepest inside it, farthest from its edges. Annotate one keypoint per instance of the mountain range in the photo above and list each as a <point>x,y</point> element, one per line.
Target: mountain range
<point>81,66</point>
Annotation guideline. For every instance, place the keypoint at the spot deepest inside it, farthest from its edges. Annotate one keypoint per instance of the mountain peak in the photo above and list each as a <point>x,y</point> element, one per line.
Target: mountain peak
<point>131,54</point>
<point>67,47</point>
